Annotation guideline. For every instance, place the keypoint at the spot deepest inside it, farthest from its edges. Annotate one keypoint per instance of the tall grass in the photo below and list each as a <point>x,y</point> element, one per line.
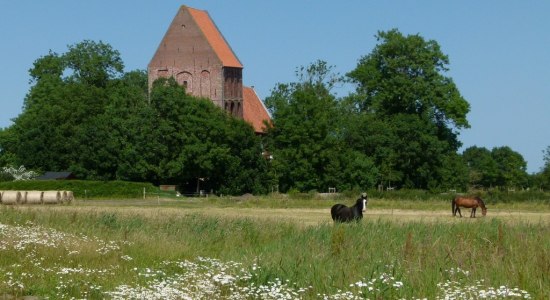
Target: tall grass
<point>101,254</point>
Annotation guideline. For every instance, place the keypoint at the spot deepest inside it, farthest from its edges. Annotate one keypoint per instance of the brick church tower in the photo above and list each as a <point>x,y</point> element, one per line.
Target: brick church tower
<point>196,54</point>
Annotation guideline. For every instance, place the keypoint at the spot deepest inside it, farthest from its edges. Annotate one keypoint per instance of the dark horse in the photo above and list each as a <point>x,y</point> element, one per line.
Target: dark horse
<point>342,213</point>
<point>467,202</point>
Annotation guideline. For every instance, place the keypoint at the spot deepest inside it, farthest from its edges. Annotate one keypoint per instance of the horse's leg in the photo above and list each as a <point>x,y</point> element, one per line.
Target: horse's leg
<point>458,209</point>
<point>454,207</point>
<point>473,213</point>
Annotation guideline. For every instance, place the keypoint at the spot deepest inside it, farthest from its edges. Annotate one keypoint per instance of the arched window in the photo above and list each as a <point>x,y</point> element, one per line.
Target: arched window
<point>185,79</point>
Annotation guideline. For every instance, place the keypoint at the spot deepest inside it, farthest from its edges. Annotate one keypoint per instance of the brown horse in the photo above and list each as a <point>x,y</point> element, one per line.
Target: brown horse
<point>468,202</point>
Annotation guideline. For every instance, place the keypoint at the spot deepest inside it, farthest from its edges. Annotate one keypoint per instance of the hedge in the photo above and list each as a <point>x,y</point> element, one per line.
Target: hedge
<point>83,189</point>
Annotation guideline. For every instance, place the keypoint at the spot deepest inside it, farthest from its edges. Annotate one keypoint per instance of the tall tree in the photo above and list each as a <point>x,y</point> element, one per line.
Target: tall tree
<point>413,112</point>
<point>117,143</point>
<point>482,167</point>
<point>544,174</point>
<point>404,74</point>
<point>7,140</point>
<point>93,63</point>
<point>511,166</point>
<point>201,145</point>
<point>305,138</point>
<point>500,167</point>
<point>60,110</point>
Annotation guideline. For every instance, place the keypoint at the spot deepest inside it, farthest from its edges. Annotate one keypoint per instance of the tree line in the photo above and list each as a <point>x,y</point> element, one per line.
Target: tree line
<point>399,128</point>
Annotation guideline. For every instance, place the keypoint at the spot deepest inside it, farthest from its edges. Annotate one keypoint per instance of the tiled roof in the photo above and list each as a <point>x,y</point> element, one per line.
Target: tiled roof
<point>215,38</point>
<point>254,111</point>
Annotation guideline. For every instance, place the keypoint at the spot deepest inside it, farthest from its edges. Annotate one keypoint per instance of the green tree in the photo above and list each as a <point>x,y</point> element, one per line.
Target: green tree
<point>60,112</point>
<point>404,74</point>
<point>93,63</point>
<point>512,168</point>
<point>412,111</point>
<point>500,167</point>
<point>544,174</point>
<point>483,169</point>
<point>7,140</point>
<point>201,145</point>
<point>305,138</point>
<point>48,66</point>
<point>95,121</point>
<point>117,143</point>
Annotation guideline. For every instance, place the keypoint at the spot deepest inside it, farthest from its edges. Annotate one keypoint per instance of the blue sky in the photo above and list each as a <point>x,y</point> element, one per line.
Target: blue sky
<point>499,50</point>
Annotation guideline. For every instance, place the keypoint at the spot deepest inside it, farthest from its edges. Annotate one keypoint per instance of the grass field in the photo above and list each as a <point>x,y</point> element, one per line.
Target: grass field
<point>272,248</point>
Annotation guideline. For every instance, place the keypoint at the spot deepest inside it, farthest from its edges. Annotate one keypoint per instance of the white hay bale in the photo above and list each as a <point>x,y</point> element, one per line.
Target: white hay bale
<point>34,197</point>
<point>67,197</point>
<point>11,197</point>
<point>51,197</point>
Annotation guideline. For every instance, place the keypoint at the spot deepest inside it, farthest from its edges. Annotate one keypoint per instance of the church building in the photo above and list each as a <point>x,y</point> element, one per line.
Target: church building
<point>196,54</point>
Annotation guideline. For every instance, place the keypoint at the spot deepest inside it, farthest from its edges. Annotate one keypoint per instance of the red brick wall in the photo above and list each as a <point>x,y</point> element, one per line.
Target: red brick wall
<point>185,54</point>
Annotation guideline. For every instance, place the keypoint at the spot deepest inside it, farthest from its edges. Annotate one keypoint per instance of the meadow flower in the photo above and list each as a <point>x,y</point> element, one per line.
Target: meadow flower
<point>126,257</point>
<point>201,278</point>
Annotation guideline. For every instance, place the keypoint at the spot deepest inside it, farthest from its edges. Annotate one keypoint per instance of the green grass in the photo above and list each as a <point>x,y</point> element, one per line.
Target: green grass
<point>103,248</point>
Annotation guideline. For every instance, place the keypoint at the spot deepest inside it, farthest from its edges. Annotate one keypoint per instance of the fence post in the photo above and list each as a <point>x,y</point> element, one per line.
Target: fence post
<point>143,193</point>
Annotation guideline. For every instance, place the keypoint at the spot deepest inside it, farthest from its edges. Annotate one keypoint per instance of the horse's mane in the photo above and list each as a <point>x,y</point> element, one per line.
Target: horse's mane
<point>480,201</point>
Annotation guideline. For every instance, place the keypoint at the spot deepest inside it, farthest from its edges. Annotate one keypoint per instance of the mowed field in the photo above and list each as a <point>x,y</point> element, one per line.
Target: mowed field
<point>264,248</point>
<point>315,212</point>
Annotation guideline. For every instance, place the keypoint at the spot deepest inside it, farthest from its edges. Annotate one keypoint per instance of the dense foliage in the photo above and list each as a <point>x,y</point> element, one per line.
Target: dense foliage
<point>308,150</point>
<point>499,167</point>
<point>85,115</point>
<point>410,112</point>
<point>200,145</point>
<point>399,128</point>
<point>542,179</point>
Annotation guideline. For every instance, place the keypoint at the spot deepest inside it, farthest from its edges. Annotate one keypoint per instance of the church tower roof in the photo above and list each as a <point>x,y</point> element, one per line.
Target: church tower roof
<point>214,37</point>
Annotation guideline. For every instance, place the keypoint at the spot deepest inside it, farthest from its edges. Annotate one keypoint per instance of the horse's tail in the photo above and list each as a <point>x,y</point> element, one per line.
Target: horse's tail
<point>453,206</point>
